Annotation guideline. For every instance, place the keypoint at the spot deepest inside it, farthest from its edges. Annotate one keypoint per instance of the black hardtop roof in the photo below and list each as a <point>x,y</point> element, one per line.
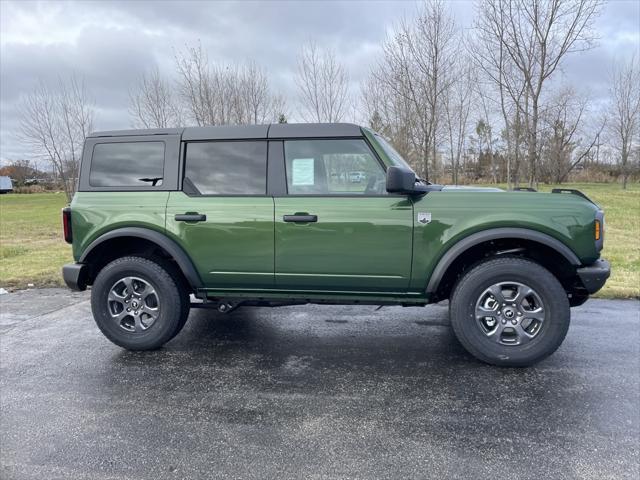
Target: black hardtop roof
<point>237,132</point>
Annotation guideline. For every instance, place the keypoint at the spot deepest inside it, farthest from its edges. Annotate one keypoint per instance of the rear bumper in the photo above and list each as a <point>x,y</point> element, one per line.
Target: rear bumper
<point>75,276</point>
<point>594,276</point>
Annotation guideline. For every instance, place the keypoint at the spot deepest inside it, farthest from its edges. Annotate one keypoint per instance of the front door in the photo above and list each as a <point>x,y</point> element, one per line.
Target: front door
<point>222,217</point>
<point>338,229</point>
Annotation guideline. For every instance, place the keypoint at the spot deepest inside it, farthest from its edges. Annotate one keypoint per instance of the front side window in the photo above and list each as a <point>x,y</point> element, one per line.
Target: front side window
<point>227,168</point>
<point>127,164</point>
<point>332,167</point>
<point>396,158</point>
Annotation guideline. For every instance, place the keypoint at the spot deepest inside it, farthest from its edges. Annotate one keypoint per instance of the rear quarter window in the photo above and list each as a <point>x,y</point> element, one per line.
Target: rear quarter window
<point>127,164</point>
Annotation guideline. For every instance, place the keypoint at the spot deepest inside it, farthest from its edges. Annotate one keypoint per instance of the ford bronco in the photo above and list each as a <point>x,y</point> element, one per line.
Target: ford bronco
<point>168,219</point>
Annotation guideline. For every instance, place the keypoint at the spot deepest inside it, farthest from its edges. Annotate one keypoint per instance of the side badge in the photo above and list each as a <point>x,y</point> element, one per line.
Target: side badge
<point>424,217</point>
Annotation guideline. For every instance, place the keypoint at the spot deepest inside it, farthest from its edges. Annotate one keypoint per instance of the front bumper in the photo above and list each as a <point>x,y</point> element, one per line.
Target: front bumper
<point>75,275</point>
<point>594,276</point>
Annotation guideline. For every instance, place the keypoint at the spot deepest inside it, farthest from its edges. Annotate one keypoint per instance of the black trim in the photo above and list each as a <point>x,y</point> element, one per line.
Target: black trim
<point>300,218</point>
<point>136,133</point>
<point>226,132</point>
<point>276,177</point>
<point>573,191</point>
<point>190,217</point>
<point>75,276</point>
<point>313,130</point>
<point>244,132</point>
<point>494,234</point>
<point>594,276</point>
<point>178,254</point>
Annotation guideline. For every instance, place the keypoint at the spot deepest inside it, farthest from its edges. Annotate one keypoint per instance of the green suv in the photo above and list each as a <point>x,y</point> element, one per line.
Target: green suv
<point>284,214</point>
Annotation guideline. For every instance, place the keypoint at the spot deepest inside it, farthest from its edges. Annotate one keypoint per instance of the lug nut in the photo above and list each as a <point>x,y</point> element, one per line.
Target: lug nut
<point>128,309</point>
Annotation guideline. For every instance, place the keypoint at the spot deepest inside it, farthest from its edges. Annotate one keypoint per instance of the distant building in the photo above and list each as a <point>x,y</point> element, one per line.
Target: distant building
<point>5,184</point>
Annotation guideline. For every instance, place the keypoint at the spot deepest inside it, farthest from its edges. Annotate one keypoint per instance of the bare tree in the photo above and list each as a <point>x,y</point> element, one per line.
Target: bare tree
<point>54,121</point>
<point>323,85</point>
<point>533,38</point>
<point>416,73</point>
<point>625,112</point>
<point>216,94</point>
<point>457,106</point>
<point>153,104</point>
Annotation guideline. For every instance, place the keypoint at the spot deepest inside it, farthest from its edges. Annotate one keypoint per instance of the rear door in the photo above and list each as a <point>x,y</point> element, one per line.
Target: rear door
<point>337,229</point>
<point>223,217</point>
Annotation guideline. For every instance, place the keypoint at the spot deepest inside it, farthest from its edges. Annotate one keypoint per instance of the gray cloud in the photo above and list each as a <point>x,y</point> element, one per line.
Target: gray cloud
<point>111,43</point>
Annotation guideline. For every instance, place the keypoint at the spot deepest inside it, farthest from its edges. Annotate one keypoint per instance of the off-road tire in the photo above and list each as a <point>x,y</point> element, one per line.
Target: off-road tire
<point>469,330</point>
<point>172,302</point>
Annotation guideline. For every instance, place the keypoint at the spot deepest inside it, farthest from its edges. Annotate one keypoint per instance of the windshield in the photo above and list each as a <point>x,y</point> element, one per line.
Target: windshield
<point>392,153</point>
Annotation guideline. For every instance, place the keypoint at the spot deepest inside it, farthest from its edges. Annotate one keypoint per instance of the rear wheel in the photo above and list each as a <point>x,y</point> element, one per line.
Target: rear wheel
<point>138,303</point>
<point>510,312</point>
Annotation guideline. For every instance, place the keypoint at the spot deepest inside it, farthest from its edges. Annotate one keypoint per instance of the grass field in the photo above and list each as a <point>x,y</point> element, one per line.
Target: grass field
<point>32,249</point>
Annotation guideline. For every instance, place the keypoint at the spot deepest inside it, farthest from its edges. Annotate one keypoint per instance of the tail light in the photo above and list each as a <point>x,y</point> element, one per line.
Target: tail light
<point>66,224</point>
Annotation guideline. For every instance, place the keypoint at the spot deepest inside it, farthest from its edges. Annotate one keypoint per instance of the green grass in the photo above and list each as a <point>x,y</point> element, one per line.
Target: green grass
<point>32,250</point>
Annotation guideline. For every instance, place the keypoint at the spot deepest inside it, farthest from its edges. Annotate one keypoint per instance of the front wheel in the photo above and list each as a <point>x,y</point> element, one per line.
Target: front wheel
<point>509,312</point>
<point>138,303</point>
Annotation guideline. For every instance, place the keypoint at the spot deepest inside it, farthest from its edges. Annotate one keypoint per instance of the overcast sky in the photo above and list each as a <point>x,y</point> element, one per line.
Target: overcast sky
<point>111,43</point>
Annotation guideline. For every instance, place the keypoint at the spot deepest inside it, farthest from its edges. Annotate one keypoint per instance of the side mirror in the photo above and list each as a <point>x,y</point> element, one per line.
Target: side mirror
<point>401,180</point>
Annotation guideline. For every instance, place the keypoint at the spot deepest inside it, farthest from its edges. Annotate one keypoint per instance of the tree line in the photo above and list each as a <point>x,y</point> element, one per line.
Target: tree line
<point>483,104</point>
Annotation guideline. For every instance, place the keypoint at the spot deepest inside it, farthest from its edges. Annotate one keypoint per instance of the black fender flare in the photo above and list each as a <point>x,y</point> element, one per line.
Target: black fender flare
<point>170,246</point>
<point>494,234</point>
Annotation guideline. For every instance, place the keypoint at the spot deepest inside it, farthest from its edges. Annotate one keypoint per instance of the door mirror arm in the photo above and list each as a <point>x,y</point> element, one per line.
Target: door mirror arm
<point>402,180</point>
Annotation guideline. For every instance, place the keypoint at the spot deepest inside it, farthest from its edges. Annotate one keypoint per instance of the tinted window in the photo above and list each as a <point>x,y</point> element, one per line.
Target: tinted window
<point>132,164</point>
<point>227,168</point>
<point>332,167</point>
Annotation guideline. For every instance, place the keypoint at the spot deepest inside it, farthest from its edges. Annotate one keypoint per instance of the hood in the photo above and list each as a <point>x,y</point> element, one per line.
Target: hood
<point>463,188</point>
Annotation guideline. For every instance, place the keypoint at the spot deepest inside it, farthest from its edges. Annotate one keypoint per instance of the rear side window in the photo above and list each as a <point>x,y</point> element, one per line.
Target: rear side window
<point>226,168</point>
<point>127,164</point>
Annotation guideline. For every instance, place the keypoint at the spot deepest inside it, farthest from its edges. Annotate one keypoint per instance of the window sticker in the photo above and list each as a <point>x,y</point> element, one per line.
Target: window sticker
<point>302,171</point>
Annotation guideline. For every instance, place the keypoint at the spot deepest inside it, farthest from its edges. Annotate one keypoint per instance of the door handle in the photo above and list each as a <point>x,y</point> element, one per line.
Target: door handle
<point>190,217</point>
<point>300,218</point>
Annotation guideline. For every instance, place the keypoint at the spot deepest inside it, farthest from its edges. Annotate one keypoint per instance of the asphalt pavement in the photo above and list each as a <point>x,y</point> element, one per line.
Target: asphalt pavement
<point>311,392</point>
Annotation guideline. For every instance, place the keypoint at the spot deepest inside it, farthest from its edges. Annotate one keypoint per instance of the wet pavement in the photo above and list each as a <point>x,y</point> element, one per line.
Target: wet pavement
<point>311,392</point>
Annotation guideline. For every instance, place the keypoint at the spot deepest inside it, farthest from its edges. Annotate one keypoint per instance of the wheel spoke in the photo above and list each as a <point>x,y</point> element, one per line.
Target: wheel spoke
<point>496,291</point>
<point>114,297</point>
<point>496,334</point>
<point>148,290</point>
<point>523,335</point>
<point>152,312</point>
<point>138,324</point>
<point>522,293</point>
<point>485,312</point>
<point>128,282</point>
<point>535,314</point>
<point>119,316</point>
